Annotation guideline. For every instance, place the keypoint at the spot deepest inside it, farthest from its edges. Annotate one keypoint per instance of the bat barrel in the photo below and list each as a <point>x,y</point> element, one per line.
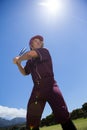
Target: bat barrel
<point>22,51</point>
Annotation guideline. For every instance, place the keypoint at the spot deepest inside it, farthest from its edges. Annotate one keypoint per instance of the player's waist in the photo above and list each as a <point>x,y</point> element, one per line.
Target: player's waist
<point>43,79</point>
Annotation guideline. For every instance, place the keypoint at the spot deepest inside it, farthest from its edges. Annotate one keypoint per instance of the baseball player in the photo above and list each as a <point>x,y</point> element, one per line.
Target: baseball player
<point>45,89</point>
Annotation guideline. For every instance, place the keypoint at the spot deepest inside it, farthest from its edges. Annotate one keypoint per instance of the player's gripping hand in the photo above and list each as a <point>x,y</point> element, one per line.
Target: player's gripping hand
<point>16,60</point>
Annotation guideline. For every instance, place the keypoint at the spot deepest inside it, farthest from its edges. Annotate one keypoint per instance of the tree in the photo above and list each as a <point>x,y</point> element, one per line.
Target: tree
<point>84,108</point>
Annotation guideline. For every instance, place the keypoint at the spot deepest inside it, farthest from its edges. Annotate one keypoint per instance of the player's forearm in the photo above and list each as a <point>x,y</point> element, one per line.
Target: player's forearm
<point>27,56</point>
<point>21,69</point>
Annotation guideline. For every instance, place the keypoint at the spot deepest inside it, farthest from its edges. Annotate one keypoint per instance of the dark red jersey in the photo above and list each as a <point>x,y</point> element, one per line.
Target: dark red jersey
<point>40,67</point>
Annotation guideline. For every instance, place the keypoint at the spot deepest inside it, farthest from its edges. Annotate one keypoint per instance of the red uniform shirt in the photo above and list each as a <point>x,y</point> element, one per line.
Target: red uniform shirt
<point>40,67</point>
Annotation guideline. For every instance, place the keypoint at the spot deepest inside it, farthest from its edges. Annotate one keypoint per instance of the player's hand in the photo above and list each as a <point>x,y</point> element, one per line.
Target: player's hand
<point>16,60</point>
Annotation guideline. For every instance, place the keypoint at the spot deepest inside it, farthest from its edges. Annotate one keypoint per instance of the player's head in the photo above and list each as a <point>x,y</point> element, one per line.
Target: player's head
<point>36,42</point>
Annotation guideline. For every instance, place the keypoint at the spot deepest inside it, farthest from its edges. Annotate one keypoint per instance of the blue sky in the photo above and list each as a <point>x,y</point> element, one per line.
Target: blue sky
<point>65,35</point>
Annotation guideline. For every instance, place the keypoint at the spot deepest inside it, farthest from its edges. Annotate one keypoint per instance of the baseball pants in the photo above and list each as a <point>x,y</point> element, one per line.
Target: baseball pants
<point>45,90</point>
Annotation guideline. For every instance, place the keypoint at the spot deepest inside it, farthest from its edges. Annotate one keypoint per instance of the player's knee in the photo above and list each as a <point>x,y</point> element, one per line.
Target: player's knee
<point>61,116</point>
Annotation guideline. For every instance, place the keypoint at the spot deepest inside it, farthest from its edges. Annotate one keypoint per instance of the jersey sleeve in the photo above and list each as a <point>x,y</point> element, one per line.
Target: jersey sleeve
<point>43,53</point>
<point>27,68</point>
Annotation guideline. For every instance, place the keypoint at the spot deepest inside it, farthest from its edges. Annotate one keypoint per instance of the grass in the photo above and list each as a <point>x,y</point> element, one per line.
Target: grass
<point>81,124</point>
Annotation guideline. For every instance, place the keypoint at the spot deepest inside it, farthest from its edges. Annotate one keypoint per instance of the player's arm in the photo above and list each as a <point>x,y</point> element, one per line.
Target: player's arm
<point>21,69</point>
<point>28,55</point>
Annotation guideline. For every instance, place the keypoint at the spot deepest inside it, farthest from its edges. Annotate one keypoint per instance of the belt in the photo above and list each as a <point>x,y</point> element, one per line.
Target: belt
<point>38,81</point>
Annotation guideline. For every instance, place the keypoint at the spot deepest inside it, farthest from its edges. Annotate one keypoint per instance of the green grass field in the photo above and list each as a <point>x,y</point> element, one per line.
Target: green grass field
<point>81,124</point>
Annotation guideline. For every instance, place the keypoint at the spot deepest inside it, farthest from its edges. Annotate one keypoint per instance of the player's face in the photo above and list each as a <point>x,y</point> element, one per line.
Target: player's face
<point>36,43</point>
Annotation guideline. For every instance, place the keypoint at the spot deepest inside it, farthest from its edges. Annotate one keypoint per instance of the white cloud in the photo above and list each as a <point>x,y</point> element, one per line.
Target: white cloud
<point>9,113</point>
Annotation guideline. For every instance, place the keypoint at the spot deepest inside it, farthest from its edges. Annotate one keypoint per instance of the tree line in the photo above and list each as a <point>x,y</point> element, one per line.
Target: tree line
<point>75,114</point>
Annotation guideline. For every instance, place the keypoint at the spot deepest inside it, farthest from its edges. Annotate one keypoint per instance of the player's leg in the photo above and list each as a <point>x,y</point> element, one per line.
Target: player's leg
<point>59,108</point>
<point>58,105</point>
<point>34,111</point>
<point>68,125</point>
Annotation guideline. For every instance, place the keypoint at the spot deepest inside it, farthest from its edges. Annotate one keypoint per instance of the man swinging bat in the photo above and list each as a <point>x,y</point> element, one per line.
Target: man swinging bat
<point>39,65</point>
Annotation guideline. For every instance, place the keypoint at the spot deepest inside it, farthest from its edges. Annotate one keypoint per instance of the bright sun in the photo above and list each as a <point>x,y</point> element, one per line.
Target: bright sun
<point>53,6</point>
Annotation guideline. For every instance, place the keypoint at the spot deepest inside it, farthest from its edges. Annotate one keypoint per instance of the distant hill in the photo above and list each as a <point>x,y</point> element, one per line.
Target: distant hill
<point>4,122</point>
<point>15,121</point>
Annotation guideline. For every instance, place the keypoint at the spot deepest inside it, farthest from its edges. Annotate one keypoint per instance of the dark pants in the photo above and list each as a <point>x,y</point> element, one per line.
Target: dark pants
<point>46,91</point>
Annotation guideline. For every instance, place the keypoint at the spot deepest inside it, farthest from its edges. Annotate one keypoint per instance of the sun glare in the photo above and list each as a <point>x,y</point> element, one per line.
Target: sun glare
<point>52,6</point>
